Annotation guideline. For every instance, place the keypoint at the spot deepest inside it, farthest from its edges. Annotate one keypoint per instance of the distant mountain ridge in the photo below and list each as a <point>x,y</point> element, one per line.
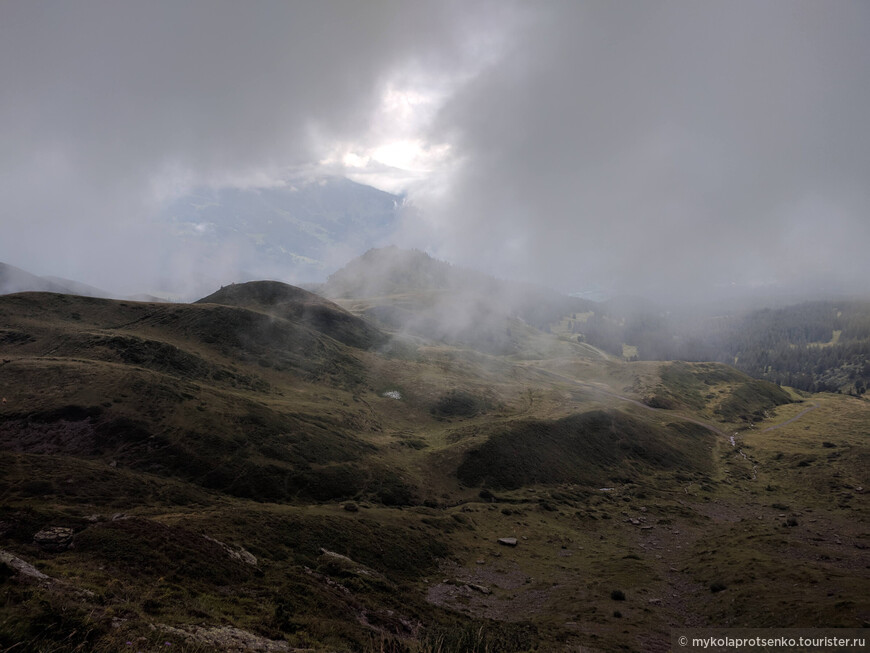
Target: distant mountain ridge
<point>296,230</point>
<point>13,279</point>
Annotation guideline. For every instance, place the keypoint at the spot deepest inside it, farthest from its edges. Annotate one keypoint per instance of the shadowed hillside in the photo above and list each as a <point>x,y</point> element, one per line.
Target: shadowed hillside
<point>266,470</point>
<point>299,306</point>
<point>594,448</point>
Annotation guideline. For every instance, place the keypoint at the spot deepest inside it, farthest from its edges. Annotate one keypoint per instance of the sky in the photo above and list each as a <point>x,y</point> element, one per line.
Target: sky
<point>667,149</point>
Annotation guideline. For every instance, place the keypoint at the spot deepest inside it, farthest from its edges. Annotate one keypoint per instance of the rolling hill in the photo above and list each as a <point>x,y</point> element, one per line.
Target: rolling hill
<point>267,469</point>
<point>407,291</point>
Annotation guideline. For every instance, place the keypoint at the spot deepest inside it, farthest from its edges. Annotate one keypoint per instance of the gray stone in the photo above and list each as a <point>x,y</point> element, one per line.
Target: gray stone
<point>54,538</point>
<point>20,566</point>
<point>239,554</point>
<point>507,541</point>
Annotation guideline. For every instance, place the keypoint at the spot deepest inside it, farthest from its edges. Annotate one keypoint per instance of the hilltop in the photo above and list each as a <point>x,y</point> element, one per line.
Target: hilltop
<point>408,291</point>
<point>300,306</point>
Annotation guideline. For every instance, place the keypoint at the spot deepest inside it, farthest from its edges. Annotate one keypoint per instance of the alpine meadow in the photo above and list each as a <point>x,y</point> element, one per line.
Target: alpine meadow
<point>434,327</point>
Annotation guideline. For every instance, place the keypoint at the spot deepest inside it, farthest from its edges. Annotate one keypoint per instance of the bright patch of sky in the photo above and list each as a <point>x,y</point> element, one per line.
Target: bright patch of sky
<point>395,155</point>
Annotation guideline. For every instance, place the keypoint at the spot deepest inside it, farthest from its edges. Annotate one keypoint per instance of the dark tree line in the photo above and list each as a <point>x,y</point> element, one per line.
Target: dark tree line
<point>814,346</point>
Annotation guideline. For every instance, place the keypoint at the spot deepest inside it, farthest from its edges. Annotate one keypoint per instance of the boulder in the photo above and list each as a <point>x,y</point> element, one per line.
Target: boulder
<point>239,554</point>
<point>20,566</point>
<point>54,538</point>
<point>507,541</point>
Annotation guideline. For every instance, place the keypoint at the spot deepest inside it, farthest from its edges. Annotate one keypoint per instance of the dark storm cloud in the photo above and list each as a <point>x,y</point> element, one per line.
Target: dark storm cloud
<point>105,102</point>
<point>667,147</point>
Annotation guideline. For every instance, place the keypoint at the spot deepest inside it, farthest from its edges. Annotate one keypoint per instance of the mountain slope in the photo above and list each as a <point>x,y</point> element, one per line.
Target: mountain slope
<point>263,467</point>
<point>289,231</point>
<point>300,306</point>
<point>13,279</point>
<point>408,291</point>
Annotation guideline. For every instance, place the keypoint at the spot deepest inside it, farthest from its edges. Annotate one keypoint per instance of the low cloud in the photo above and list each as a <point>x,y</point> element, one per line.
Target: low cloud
<point>665,148</point>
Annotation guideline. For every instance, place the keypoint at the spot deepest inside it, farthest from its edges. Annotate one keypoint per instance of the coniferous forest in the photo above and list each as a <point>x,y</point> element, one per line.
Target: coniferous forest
<point>814,346</point>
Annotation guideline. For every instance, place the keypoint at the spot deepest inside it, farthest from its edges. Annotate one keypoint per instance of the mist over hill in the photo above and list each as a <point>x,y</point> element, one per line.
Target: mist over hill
<point>328,463</point>
<point>319,442</point>
<point>13,279</point>
<point>409,291</point>
<point>814,346</point>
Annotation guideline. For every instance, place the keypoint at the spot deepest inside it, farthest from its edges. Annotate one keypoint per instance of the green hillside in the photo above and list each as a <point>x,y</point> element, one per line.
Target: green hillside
<point>266,470</point>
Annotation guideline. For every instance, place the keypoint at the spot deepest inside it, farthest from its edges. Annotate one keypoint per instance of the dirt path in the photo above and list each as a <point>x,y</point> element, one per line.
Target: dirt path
<point>789,421</point>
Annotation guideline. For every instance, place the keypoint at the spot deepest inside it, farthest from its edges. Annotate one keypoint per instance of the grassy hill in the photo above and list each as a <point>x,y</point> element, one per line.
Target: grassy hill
<point>409,292</point>
<point>266,470</point>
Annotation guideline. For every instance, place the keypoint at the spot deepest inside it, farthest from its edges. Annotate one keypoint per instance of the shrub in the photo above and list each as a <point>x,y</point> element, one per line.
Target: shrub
<point>458,403</point>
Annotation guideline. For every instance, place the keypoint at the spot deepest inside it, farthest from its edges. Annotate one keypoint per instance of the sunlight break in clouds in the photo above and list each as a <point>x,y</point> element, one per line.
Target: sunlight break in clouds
<point>394,155</point>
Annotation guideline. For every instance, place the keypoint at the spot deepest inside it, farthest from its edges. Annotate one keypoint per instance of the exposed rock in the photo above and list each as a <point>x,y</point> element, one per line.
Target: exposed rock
<point>507,541</point>
<point>21,567</point>
<point>239,554</point>
<point>479,588</point>
<point>227,638</point>
<point>26,569</point>
<point>54,538</point>
<point>348,565</point>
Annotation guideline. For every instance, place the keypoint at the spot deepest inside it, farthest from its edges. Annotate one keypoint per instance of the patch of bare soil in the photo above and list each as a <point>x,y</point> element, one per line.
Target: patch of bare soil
<point>496,590</point>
